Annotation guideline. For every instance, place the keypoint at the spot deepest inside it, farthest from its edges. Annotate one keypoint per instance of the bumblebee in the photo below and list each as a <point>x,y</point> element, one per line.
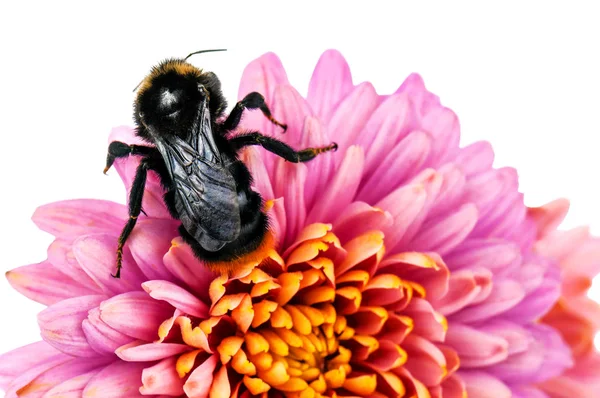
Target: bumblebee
<point>179,111</point>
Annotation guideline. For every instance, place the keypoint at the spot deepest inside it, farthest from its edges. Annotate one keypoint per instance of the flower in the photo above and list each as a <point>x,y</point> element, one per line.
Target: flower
<point>405,266</point>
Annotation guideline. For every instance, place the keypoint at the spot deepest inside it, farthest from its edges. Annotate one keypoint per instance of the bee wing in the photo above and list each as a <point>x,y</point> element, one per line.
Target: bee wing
<point>205,191</point>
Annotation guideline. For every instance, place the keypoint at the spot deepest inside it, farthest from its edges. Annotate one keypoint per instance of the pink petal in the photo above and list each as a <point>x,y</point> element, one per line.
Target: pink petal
<point>59,374</point>
<point>291,108</point>
<point>482,385</point>
<point>414,87</point>
<point>497,255</point>
<point>465,287</point>
<point>330,82</point>
<point>182,263</point>
<point>549,216</point>
<point>25,377</point>
<point>443,126</point>
<point>162,378</point>
<point>118,380</point>
<point>474,347</point>
<point>73,218</point>
<point>61,252</point>
<point>200,381</point>
<point>60,325</point>
<point>177,297</point>
<point>431,181</point>
<point>321,168</point>
<point>45,284</point>
<point>101,337</point>
<point>401,162</point>
<point>386,127</point>
<point>73,387</point>
<point>289,182</point>
<point>262,75</point>
<point>426,269</point>
<point>428,323</point>
<point>404,205</point>
<point>359,218</point>
<point>505,295</point>
<point>149,242</point>
<point>14,362</point>
<point>475,158</point>
<point>559,244</point>
<point>138,351</point>
<point>149,314</point>
<point>342,188</point>
<point>452,192</point>
<point>584,261</point>
<point>125,134</point>
<point>97,256</point>
<point>351,115</point>
<point>425,361</point>
<point>443,235</point>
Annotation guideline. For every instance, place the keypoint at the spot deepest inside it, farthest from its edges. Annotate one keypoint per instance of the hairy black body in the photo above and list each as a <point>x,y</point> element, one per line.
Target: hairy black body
<point>181,111</point>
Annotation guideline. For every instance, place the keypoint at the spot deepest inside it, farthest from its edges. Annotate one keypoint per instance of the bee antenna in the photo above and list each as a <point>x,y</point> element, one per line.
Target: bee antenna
<point>204,51</point>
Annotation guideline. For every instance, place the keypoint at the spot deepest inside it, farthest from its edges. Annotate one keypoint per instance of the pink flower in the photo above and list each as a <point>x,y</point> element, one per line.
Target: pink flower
<point>405,266</point>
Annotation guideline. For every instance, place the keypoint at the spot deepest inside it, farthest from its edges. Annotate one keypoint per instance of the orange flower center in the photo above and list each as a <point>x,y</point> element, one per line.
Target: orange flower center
<point>324,321</point>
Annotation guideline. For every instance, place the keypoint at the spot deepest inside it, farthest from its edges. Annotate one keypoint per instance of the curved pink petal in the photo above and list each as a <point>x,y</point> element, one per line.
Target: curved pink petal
<point>182,263</point>
<point>23,380</point>
<point>474,347</point>
<point>200,380</point>
<point>149,314</point>
<point>426,361</point>
<point>341,189</point>
<point>390,122</point>
<point>321,168</point>
<point>102,338</point>
<point>548,217</point>
<point>139,351</point>
<point>73,387</point>
<point>73,218</point>
<point>60,325</point>
<point>45,284</point>
<point>289,183</point>
<point>148,243</point>
<point>359,218</point>
<point>177,296</point>
<point>443,235</point>
<point>505,295</point>
<point>414,86</point>
<point>401,163</point>
<point>465,287</point>
<point>330,82</point>
<point>61,252</point>
<point>117,380</point>
<point>428,323</point>
<point>292,109</point>
<point>404,205</point>
<point>351,115</point>
<point>58,374</point>
<point>443,126</point>
<point>15,362</point>
<point>97,256</point>
<point>162,378</point>
<point>475,158</point>
<point>497,255</point>
<point>482,385</point>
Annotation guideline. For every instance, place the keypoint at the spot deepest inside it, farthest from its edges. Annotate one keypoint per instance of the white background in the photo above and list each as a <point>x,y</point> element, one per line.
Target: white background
<point>524,76</point>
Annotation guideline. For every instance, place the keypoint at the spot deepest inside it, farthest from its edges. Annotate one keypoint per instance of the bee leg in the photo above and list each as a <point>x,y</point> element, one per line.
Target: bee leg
<point>135,207</point>
<point>118,149</point>
<point>253,100</point>
<point>279,148</point>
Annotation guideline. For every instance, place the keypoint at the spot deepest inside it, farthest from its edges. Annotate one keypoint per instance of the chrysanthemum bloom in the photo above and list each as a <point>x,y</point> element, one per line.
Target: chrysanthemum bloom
<point>405,267</point>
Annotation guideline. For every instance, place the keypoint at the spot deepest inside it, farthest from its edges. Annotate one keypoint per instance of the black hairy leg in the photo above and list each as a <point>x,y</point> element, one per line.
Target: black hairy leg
<point>279,148</point>
<point>118,149</point>
<point>135,207</point>
<point>253,100</point>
